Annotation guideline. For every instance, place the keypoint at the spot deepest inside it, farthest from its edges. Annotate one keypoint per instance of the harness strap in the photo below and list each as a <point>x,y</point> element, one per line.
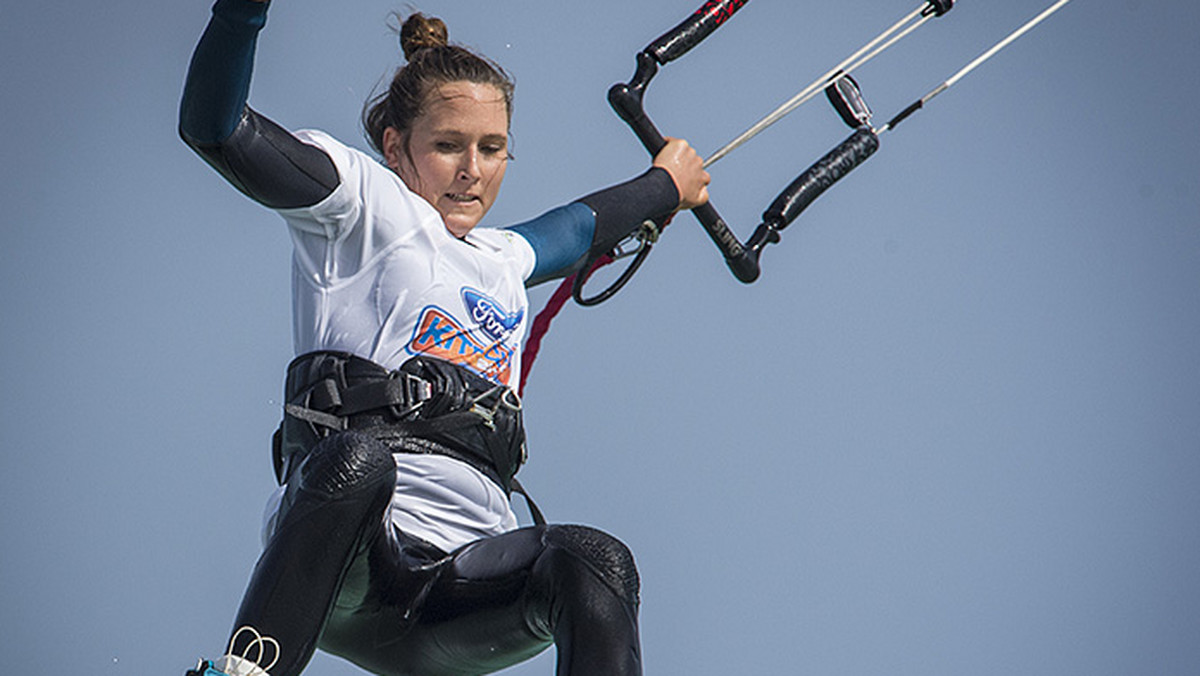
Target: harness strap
<point>538,519</point>
<point>331,406</point>
<point>400,389</point>
<point>315,417</point>
<point>442,423</point>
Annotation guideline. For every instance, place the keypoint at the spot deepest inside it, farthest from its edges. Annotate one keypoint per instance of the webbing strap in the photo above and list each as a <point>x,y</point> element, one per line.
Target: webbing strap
<point>403,390</point>
<point>536,513</point>
<point>316,417</point>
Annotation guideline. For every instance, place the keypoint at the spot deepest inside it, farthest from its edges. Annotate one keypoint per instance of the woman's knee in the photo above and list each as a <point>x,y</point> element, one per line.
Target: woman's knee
<point>600,554</point>
<point>345,464</point>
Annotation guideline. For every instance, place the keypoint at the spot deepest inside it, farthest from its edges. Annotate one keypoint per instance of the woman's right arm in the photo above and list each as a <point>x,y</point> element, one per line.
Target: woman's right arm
<point>257,156</point>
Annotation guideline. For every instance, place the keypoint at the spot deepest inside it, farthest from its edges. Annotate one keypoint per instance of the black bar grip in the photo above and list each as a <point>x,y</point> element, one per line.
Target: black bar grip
<point>677,41</point>
<point>903,115</point>
<point>819,177</point>
<point>626,101</point>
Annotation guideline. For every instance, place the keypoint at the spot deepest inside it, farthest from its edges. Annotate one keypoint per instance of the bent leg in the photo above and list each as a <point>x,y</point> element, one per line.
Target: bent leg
<point>589,600</point>
<point>497,602</point>
<point>332,510</point>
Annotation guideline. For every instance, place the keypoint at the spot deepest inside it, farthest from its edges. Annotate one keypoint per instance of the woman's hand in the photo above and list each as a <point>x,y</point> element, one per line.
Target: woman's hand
<point>687,170</point>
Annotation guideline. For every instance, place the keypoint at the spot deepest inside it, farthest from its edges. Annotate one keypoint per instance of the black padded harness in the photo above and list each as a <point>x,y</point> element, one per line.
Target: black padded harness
<point>425,406</point>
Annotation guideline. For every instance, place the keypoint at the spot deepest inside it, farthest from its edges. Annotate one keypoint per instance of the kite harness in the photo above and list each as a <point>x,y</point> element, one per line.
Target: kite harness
<point>427,406</point>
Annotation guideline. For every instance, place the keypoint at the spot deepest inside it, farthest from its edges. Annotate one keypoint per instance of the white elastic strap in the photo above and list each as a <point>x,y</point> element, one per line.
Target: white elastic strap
<point>251,660</point>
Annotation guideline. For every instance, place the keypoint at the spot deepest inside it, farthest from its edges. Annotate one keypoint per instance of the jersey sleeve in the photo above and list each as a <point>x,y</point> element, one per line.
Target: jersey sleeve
<point>369,212</point>
<point>518,252</point>
<point>334,216</point>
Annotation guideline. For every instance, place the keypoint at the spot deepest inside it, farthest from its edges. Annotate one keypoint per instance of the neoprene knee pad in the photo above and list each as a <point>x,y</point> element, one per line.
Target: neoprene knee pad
<point>607,556</point>
<point>346,463</point>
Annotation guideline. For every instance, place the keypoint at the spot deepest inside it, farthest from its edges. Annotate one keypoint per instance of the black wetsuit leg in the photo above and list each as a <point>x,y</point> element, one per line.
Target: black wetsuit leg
<point>333,510</point>
<point>492,604</point>
<point>336,574</point>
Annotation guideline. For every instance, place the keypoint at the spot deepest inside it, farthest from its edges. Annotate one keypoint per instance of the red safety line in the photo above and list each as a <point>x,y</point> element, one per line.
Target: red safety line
<point>541,323</point>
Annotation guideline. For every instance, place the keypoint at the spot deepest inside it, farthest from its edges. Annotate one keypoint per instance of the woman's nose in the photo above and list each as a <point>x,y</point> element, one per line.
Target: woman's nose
<point>469,167</point>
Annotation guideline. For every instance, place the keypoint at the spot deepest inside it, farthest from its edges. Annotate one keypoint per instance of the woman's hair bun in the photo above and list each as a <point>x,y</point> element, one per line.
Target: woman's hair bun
<point>421,32</point>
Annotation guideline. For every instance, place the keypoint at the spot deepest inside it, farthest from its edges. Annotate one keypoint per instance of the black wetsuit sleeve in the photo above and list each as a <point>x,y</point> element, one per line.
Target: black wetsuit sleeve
<point>622,208</point>
<point>257,156</point>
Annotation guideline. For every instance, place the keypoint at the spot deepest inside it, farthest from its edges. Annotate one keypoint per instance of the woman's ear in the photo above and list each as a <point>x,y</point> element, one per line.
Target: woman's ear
<point>393,148</point>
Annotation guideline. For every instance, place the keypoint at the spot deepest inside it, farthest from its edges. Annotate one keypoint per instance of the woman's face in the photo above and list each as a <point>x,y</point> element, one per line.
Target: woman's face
<point>456,153</point>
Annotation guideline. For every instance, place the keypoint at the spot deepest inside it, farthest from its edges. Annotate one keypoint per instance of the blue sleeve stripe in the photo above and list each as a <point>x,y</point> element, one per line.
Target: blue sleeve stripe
<point>559,238</point>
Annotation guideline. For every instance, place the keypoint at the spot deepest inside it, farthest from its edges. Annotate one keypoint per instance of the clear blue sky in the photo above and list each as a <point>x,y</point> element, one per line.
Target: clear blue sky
<point>954,429</point>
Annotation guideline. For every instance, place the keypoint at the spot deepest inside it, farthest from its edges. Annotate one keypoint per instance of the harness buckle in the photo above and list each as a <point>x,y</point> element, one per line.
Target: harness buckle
<point>416,391</point>
<point>508,399</point>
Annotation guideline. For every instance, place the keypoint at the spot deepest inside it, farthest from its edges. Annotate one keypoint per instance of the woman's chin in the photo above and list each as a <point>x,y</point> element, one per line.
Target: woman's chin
<point>460,221</point>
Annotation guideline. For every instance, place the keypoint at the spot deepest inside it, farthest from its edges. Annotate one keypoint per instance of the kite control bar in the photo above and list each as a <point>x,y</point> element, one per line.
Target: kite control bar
<point>742,259</point>
<point>839,86</point>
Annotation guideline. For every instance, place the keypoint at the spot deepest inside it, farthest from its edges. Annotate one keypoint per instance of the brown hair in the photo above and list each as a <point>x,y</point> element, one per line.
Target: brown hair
<point>432,62</point>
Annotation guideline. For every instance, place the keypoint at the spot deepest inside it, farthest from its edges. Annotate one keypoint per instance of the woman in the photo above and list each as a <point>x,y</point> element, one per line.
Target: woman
<point>391,541</point>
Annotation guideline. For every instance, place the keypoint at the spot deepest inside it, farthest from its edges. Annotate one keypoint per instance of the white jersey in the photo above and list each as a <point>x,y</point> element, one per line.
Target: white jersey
<point>376,273</point>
